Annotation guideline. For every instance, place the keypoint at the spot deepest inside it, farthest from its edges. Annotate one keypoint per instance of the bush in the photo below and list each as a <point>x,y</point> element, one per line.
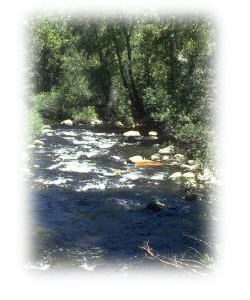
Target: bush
<point>85,115</point>
<point>198,140</point>
<point>47,104</point>
<point>34,124</point>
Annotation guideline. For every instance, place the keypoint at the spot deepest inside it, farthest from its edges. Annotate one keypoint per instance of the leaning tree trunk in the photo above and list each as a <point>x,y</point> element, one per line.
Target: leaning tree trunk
<point>138,111</point>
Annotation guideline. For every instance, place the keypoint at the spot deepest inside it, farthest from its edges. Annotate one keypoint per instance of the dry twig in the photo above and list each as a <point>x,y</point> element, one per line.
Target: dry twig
<point>183,263</point>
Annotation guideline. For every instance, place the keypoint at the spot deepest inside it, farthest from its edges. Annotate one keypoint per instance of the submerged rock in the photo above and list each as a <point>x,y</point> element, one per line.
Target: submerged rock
<point>67,122</point>
<point>131,133</point>
<point>148,162</point>
<point>190,195</point>
<point>156,206</point>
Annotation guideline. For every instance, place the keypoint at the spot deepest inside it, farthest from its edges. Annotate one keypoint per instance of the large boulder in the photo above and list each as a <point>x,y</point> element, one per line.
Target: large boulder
<point>67,122</point>
<point>131,133</point>
<point>166,150</point>
<point>135,158</point>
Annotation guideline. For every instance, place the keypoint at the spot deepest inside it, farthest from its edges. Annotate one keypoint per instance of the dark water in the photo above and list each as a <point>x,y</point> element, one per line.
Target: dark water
<point>88,205</point>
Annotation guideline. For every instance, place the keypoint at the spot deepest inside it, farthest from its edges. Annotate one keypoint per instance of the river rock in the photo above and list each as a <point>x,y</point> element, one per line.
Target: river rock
<point>175,176</point>
<point>156,157</point>
<point>207,174</point>
<point>192,162</point>
<point>165,158</point>
<point>188,176</point>
<point>179,157</point>
<point>96,122</point>
<point>46,131</point>
<point>31,146</point>
<point>153,133</point>
<point>67,122</point>
<point>189,167</point>
<point>135,158</point>
<point>166,150</point>
<point>131,133</point>
<point>38,143</point>
<point>156,206</point>
<point>46,127</point>
<point>119,124</point>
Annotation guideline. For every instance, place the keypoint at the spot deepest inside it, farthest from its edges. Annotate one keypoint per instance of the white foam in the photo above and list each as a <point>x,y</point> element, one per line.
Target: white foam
<point>68,133</point>
<point>75,142</point>
<point>128,204</point>
<point>158,176</point>
<point>75,166</point>
<point>91,186</point>
<point>56,181</point>
<point>131,176</point>
<point>55,166</point>
<point>68,138</point>
<point>87,266</point>
<point>106,145</point>
<point>37,266</point>
<point>118,158</point>
<point>88,154</point>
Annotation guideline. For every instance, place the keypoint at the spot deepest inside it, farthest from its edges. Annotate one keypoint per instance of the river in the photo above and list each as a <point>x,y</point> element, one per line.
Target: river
<point>87,204</point>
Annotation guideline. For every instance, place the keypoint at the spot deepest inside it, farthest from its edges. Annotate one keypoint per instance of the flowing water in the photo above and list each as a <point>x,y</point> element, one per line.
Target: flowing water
<point>88,205</point>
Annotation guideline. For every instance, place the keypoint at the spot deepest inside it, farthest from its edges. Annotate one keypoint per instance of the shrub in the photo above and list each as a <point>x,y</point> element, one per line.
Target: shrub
<point>34,124</point>
<point>47,103</point>
<point>86,114</point>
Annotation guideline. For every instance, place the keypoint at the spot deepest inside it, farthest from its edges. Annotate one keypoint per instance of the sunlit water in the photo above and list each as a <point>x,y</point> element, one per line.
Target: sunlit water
<point>88,205</point>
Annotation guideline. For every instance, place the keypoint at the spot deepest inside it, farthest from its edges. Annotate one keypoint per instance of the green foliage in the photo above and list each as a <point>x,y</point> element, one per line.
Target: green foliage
<point>34,124</point>
<point>86,114</point>
<point>128,69</point>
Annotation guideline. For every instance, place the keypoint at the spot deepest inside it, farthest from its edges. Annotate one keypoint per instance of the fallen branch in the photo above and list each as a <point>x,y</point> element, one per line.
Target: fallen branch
<point>183,263</point>
<point>199,240</point>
